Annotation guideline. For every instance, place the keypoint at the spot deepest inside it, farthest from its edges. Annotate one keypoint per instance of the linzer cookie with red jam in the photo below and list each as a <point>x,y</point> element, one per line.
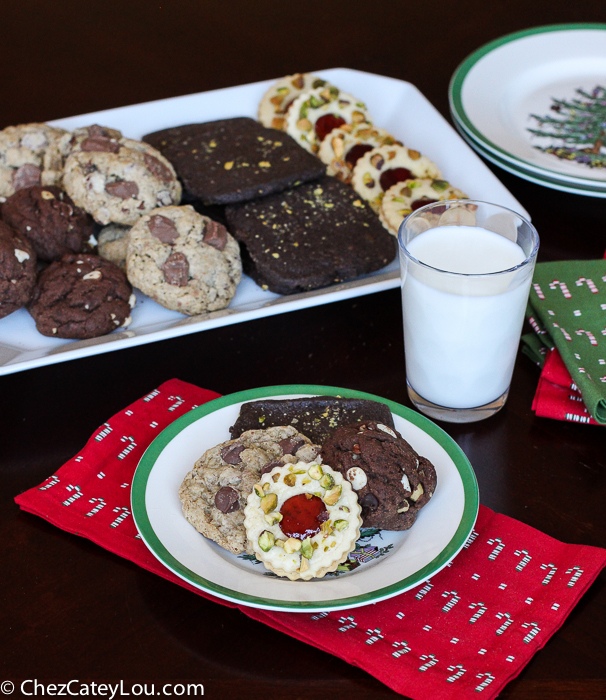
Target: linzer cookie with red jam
<point>302,520</point>
<point>119,180</point>
<point>23,157</point>
<point>81,296</point>
<point>17,270</point>
<point>48,218</point>
<point>384,166</point>
<point>314,416</point>
<point>234,160</point>
<point>309,237</point>
<point>213,494</point>
<point>405,197</point>
<point>183,260</point>
<point>315,113</point>
<point>391,480</point>
<point>344,146</point>
<point>276,101</point>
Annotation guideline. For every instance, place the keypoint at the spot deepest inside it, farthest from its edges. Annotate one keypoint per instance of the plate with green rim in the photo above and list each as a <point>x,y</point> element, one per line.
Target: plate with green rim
<point>516,96</point>
<point>386,563</point>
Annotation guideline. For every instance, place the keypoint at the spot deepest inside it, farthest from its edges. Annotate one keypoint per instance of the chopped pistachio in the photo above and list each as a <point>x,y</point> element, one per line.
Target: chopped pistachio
<point>332,496</point>
<point>307,549</point>
<point>327,482</point>
<point>315,471</point>
<point>269,502</point>
<point>341,525</point>
<point>273,518</point>
<point>258,489</point>
<point>266,540</point>
<point>290,479</point>
<point>292,545</point>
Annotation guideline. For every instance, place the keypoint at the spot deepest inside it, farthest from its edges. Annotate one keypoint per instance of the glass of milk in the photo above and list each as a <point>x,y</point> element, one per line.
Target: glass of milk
<point>466,270</point>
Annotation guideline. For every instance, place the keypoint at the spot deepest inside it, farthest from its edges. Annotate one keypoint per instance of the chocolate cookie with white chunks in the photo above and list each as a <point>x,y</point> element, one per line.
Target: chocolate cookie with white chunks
<point>384,166</point>
<point>392,481</point>
<point>234,160</point>
<point>214,493</point>
<point>276,101</point>
<point>81,296</point>
<point>24,157</point>
<point>309,237</point>
<point>119,180</point>
<point>17,270</point>
<point>49,219</point>
<point>314,416</point>
<point>183,260</point>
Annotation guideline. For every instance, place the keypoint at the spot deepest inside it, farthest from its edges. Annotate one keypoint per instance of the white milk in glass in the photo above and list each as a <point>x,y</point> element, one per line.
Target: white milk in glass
<point>461,331</point>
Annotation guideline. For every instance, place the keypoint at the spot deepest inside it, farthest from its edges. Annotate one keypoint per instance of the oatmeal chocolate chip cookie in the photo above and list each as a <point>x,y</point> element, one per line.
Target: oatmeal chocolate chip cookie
<point>315,113</point>
<point>384,166</point>
<point>309,237</point>
<point>302,520</point>
<point>23,157</point>
<point>314,416</point>
<point>119,180</point>
<point>87,138</point>
<point>81,296</point>
<point>48,218</point>
<point>234,160</point>
<point>183,260</point>
<point>392,482</point>
<point>214,493</point>
<point>405,197</point>
<point>17,270</point>
<point>113,244</point>
<point>276,101</point>
<point>344,146</point>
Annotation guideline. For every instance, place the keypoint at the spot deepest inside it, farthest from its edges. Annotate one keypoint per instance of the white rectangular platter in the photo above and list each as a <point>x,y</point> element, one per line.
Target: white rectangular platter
<point>394,105</point>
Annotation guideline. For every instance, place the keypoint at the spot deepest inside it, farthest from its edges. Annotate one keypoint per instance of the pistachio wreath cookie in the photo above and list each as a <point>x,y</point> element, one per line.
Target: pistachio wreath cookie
<point>276,101</point>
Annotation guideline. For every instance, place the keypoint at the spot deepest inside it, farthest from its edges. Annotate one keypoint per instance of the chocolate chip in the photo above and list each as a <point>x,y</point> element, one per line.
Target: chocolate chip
<point>215,235</point>
<point>125,189</point>
<point>157,168</point>
<point>231,453</point>
<point>369,501</point>
<point>100,143</point>
<point>270,465</point>
<point>226,500</point>
<point>176,269</point>
<point>96,130</point>
<point>163,229</point>
<point>26,176</point>
<point>291,445</point>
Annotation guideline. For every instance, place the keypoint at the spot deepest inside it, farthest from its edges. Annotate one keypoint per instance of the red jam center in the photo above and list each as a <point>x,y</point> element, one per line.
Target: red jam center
<point>391,177</point>
<point>326,124</point>
<point>302,517</point>
<point>356,152</point>
<point>418,203</point>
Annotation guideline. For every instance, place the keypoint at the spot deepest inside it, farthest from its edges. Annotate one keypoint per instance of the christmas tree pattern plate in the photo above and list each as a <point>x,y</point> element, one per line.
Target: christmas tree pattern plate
<point>552,183</point>
<point>383,564</point>
<point>536,99</point>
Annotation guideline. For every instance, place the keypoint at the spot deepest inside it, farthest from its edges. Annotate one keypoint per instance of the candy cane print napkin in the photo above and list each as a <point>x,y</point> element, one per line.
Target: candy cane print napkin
<point>467,631</point>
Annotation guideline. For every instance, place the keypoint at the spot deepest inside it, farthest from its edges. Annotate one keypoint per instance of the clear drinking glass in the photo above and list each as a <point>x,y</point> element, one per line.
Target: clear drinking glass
<point>466,269</point>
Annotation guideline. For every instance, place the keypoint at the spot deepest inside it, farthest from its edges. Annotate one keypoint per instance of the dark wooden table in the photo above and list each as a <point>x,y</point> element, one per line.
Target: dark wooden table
<point>72,610</point>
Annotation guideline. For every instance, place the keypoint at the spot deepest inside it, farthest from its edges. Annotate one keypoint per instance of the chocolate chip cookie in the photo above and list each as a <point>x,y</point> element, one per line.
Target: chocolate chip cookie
<point>48,218</point>
<point>392,481</point>
<point>17,270</point>
<point>119,180</point>
<point>214,493</point>
<point>113,243</point>
<point>183,260</point>
<point>81,296</point>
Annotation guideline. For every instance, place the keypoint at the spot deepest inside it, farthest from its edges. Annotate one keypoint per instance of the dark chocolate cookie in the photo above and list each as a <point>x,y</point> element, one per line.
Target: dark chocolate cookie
<point>392,482</point>
<point>314,416</point>
<point>48,218</point>
<point>17,270</point>
<point>81,296</point>
<point>309,237</point>
<point>234,160</point>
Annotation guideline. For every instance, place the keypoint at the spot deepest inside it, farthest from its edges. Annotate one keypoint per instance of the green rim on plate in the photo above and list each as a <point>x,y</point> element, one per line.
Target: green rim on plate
<point>455,89</point>
<point>146,464</point>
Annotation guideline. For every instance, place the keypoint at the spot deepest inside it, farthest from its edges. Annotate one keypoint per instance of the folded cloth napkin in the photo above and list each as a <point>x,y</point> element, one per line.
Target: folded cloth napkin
<point>472,627</point>
<point>568,311</point>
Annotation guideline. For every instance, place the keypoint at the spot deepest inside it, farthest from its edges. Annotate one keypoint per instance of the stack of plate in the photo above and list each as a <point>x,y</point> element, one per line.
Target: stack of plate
<point>496,91</point>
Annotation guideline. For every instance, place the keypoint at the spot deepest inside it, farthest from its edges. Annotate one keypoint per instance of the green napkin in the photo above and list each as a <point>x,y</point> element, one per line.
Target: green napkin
<point>568,302</point>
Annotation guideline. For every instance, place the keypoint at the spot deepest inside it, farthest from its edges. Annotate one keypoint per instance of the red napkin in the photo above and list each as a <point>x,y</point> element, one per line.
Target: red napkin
<point>557,396</point>
<point>471,628</point>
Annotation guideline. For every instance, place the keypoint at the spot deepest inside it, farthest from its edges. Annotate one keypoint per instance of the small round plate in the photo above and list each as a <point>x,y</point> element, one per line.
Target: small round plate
<point>496,91</point>
<point>385,563</point>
